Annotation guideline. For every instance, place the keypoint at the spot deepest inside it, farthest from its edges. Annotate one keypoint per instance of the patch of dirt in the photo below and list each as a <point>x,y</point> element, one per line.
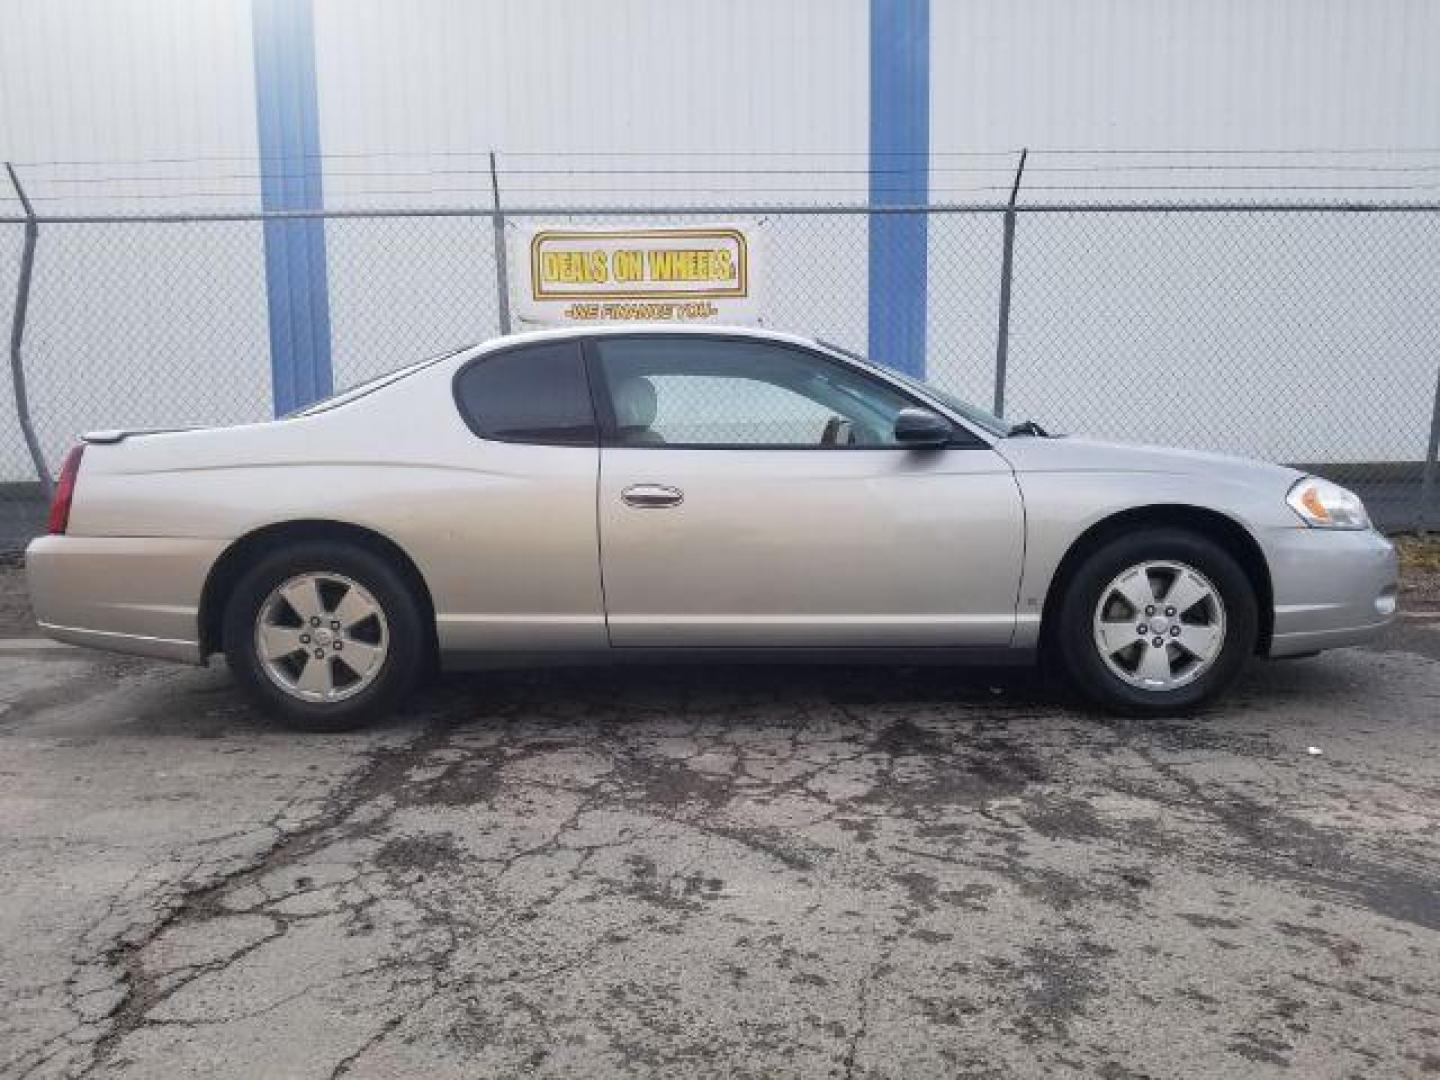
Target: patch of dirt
<point>15,617</point>
<point>425,853</point>
<point>1419,571</point>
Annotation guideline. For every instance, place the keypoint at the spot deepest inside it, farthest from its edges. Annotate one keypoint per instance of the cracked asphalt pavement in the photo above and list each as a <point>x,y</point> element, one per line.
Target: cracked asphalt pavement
<point>734,872</point>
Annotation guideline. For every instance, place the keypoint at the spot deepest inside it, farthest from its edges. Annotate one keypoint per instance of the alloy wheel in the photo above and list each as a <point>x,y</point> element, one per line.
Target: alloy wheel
<point>321,637</point>
<point>1159,625</point>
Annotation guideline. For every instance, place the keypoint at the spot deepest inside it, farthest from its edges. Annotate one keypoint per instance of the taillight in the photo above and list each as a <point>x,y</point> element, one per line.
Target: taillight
<point>65,490</point>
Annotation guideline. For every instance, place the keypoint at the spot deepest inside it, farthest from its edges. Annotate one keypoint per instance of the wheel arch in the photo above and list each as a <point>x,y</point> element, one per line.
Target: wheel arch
<point>245,551</point>
<point>1212,524</point>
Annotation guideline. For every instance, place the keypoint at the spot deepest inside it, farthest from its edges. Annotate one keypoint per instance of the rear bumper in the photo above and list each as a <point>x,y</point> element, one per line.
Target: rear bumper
<point>138,595</point>
<point>1332,588</point>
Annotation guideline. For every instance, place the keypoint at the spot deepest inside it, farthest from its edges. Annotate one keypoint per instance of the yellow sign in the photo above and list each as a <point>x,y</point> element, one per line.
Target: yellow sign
<point>700,274</point>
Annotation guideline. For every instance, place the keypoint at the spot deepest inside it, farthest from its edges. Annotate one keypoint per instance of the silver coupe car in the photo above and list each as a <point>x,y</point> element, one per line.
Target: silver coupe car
<point>672,492</point>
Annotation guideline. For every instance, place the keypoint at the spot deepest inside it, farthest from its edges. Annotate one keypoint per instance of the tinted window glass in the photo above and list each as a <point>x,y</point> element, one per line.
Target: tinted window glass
<point>535,394</point>
<point>692,391</point>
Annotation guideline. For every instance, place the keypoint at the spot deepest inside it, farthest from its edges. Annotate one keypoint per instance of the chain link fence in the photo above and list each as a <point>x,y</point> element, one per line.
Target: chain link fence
<point>1307,335</point>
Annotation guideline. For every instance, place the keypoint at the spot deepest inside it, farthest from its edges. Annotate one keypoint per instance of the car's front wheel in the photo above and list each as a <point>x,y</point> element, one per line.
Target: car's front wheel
<point>1160,621</point>
<point>324,636</point>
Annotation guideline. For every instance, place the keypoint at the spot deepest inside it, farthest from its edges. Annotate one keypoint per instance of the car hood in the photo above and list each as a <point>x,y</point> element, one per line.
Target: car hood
<point>1071,453</point>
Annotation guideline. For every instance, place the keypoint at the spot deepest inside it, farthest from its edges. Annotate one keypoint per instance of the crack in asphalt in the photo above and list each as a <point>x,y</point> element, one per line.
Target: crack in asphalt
<point>144,992</point>
<point>660,875</point>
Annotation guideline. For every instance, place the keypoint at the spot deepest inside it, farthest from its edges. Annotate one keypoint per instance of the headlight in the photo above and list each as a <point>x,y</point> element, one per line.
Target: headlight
<point>1323,505</point>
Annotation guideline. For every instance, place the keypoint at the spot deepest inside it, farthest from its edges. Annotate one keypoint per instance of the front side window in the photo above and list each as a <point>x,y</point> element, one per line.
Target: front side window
<point>973,414</point>
<point>694,391</point>
<point>531,394</point>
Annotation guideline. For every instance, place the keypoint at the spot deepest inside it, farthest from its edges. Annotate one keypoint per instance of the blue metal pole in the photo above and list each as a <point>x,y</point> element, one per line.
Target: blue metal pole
<point>296,286</point>
<point>899,176</point>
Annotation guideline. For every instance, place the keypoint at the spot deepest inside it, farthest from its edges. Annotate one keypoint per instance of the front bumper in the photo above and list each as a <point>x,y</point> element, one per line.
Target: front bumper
<point>137,595</point>
<point>1332,587</point>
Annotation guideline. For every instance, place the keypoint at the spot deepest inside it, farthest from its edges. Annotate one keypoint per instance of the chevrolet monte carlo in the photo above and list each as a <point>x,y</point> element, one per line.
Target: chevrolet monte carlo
<point>682,493</point>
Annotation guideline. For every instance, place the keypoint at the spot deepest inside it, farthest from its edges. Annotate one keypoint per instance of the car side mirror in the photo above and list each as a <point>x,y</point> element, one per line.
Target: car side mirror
<point>921,428</point>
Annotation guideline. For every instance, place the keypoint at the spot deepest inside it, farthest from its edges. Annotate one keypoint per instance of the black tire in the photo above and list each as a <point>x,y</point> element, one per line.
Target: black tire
<point>1074,635</point>
<point>407,638</point>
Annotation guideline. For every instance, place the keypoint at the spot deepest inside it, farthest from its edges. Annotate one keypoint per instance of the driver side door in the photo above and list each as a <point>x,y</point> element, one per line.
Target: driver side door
<point>752,494</point>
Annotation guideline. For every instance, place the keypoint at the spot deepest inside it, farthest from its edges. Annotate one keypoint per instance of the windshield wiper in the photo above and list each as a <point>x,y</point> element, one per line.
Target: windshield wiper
<point>1028,427</point>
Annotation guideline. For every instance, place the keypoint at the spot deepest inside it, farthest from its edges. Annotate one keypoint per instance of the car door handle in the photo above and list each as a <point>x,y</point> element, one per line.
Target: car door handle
<point>652,496</point>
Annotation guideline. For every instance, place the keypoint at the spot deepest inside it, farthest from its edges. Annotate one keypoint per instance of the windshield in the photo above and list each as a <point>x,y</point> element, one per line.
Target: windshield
<point>982,419</point>
<point>369,385</point>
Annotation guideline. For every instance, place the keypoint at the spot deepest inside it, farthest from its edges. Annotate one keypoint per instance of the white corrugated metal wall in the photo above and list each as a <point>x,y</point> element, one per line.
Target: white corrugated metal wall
<point>109,108</point>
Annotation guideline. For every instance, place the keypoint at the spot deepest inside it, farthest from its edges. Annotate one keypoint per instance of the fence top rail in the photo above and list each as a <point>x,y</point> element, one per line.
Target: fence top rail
<point>748,209</point>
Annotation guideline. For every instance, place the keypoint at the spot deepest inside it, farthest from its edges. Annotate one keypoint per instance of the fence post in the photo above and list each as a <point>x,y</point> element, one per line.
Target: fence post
<point>1427,478</point>
<point>502,270</point>
<point>1007,267</point>
<point>17,337</point>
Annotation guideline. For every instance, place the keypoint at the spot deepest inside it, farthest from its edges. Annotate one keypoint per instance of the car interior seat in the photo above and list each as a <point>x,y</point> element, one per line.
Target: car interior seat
<point>635,408</point>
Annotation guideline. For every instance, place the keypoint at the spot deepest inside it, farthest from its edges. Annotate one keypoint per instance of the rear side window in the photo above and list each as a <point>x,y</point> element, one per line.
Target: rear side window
<point>531,394</point>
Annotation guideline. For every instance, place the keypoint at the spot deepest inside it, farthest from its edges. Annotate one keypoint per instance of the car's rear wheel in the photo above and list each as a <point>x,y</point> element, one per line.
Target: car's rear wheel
<point>1160,621</point>
<point>326,637</point>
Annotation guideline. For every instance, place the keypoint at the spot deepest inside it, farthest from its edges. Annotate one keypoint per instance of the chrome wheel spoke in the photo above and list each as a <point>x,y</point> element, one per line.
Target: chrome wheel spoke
<point>316,677</point>
<point>1136,588</point>
<point>277,642</point>
<point>1185,592</point>
<point>303,596</point>
<point>1115,636</point>
<point>1201,642</point>
<point>353,608</point>
<point>360,657</point>
<point>1155,665</point>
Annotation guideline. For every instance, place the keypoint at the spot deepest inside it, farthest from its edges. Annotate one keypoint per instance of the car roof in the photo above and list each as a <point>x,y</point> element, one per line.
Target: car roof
<point>646,328</point>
